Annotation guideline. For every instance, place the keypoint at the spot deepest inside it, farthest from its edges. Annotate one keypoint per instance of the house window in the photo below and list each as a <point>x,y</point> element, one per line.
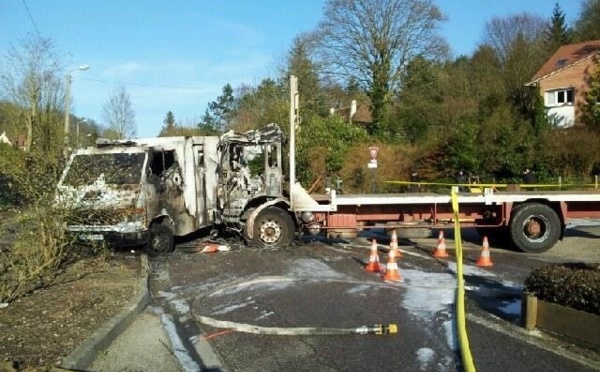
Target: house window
<point>560,97</point>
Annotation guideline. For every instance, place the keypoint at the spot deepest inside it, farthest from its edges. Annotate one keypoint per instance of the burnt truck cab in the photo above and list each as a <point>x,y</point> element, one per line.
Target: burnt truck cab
<point>252,199</point>
<point>147,191</point>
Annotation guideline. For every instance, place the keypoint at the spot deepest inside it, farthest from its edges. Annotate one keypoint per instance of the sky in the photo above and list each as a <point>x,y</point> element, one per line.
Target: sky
<point>176,55</point>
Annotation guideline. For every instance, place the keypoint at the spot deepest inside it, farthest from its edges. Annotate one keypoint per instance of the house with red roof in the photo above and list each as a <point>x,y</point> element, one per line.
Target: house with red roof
<point>564,80</point>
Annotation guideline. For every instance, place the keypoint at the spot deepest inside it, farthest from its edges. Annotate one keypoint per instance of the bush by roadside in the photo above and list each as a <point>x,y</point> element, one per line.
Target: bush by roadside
<point>33,243</point>
<point>574,285</point>
<point>36,249</point>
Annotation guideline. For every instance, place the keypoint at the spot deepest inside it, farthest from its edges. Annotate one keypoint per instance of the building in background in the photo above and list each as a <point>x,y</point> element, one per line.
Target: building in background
<point>564,81</point>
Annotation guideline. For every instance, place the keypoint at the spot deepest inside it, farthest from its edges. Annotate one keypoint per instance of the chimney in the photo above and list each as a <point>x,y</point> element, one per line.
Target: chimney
<point>352,109</point>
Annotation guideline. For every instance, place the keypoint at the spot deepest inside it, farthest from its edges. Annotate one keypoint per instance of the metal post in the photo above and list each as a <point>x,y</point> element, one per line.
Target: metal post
<point>68,79</point>
<point>67,103</point>
<point>373,184</point>
<point>293,122</point>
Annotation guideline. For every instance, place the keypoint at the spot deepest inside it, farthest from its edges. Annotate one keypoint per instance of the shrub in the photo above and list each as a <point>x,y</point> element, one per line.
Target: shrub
<point>575,285</point>
<point>39,247</point>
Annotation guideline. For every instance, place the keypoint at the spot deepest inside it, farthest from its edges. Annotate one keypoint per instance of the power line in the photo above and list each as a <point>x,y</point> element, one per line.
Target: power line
<point>143,84</point>
<point>31,17</point>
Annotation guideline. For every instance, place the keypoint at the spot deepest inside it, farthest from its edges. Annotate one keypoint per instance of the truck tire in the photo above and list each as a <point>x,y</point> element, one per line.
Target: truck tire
<point>535,228</point>
<point>273,227</point>
<point>161,240</point>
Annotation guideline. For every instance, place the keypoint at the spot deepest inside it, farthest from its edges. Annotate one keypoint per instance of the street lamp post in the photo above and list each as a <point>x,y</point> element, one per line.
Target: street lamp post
<point>68,79</point>
<point>79,122</point>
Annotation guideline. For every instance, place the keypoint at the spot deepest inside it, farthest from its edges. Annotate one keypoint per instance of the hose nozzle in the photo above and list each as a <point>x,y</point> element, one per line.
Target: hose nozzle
<point>378,329</point>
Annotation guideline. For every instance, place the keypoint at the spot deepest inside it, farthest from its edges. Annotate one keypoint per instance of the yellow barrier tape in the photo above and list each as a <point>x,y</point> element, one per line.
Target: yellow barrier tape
<point>496,185</point>
<point>463,339</point>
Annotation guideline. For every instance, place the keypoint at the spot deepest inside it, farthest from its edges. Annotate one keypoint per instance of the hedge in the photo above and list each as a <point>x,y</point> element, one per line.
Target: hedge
<point>575,285</point>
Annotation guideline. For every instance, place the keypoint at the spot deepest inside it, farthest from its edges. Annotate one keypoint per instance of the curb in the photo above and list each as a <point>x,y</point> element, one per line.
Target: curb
<point>83,357</point>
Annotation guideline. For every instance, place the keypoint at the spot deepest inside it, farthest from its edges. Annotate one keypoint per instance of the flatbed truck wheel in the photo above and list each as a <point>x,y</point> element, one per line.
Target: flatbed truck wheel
<point>535,227</point>
<point>273,227</point>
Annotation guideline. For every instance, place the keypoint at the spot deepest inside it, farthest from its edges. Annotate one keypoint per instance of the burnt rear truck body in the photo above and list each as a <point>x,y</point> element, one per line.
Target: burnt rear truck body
<point>147,191</point>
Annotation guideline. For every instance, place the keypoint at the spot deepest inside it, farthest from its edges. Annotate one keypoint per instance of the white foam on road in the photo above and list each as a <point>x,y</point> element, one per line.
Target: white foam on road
<point>226,309</point>
<point>265,314</point>
<point>267,285</point>
<point>180,305</point>
<point>425,356</point>
<point>470,270</point>
<point>360,289</point>
<point>451,334</point>
<point>427,293</point>
<point>313,269</point>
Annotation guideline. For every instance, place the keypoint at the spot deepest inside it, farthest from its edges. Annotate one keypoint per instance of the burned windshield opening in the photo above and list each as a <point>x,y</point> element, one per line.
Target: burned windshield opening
<point>115,169</point>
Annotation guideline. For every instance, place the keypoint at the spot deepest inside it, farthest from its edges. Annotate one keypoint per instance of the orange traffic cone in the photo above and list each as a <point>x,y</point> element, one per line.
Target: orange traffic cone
<point>373,265</point>
<point>394,245</point>
<point>440,251</point>
<point>392,274</point>
<point>484,259</point>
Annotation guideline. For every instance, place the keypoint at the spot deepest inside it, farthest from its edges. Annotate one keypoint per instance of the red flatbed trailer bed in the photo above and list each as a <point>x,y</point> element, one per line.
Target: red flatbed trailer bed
<point>532,220</point>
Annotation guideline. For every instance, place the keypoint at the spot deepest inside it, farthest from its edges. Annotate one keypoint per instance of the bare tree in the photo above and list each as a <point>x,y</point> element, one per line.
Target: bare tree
<point>119,115</point>
<point>503,33</point>
<point>31,80</point>
<point>518,41</point>
<point>371,42</point>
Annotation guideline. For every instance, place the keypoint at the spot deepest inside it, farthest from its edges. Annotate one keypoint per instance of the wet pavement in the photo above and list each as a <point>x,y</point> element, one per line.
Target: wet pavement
<point>324,285</point>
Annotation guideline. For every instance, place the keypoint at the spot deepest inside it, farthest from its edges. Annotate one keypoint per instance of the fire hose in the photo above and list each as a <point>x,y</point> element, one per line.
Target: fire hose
<point>463,339</point>
<point>377,329</point>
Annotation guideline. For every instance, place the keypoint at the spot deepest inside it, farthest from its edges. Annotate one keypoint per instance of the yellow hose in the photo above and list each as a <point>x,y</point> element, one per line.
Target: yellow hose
<point>463,339</point>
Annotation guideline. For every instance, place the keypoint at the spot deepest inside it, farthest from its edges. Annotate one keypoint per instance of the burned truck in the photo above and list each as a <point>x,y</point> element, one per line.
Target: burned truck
<point>148,191</point>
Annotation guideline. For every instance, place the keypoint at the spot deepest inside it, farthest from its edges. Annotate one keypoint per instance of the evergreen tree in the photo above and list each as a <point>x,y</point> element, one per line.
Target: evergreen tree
<point>557,33</point>
<point>300,64</point>
<point>586,27</point>
<point>590,111</point>
<point>208,124</point>
<point>170,127</point>
<point>222,109</point>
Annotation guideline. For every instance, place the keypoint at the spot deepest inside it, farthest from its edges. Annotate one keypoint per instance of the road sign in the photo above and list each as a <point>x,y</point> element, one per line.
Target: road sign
<point>373,151</point>
<point>372,164</point>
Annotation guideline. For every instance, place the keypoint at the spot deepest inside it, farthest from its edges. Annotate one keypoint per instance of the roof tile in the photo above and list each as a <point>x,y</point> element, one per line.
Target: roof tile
<point>567,55</point>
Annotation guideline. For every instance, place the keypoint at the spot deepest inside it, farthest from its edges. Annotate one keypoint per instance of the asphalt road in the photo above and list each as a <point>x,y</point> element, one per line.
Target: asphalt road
<point>323,285</point>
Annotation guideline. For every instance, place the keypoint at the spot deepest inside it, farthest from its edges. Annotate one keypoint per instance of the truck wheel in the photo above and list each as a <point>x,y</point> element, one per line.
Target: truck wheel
<point>161,240</point>
<point>273,227</point>
<point>535,228</point>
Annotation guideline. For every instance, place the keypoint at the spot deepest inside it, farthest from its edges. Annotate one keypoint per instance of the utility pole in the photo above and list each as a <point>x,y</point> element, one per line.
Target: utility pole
<point>68,79</point>
<point>77,139</point>
<point>294,122</point>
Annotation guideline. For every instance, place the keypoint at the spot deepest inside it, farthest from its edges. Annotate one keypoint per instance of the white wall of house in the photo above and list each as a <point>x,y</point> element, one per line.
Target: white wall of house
<point>561,116</point>
<point>4,139</point>
<point>560,106</point>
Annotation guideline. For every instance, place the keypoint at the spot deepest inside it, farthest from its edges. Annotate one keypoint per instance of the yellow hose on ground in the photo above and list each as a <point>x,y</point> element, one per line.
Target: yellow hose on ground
<point>463,339</point>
